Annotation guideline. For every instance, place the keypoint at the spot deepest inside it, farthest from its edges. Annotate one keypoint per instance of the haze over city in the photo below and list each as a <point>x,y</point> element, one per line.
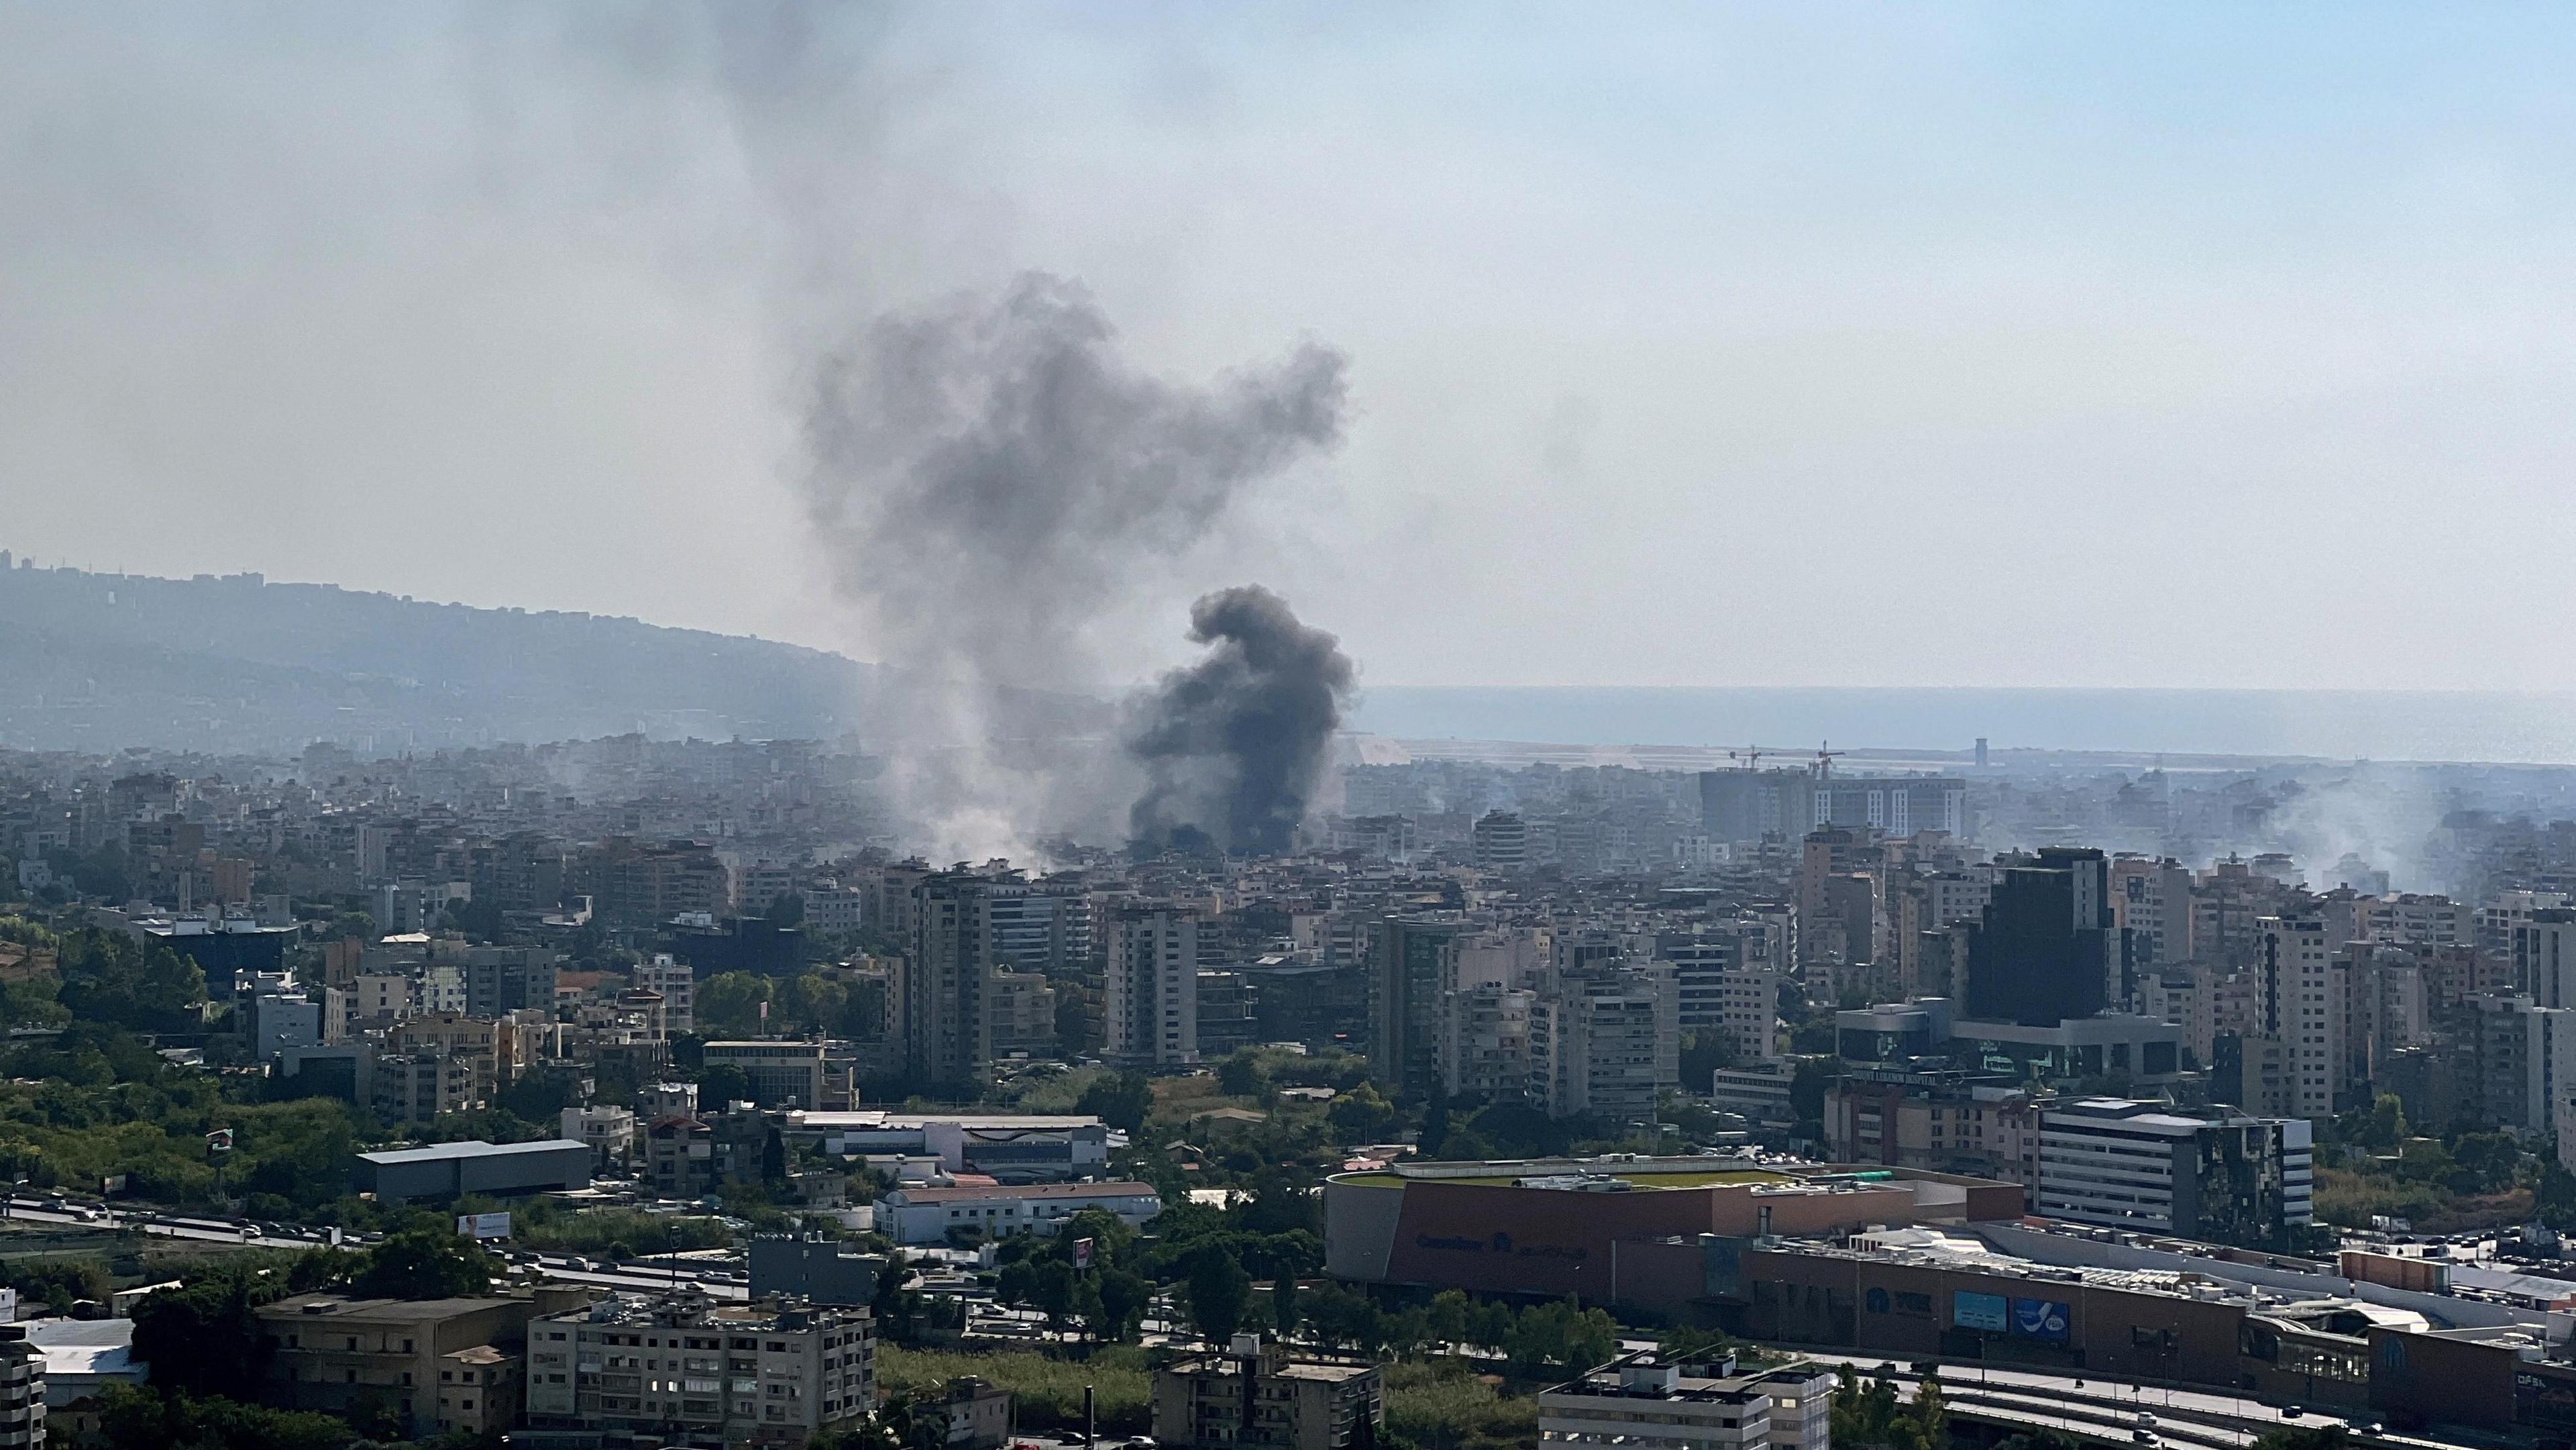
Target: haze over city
<point>799,726</point>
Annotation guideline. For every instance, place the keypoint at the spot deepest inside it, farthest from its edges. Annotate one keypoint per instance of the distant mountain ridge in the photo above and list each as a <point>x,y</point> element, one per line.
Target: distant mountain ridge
<point>100,662</point>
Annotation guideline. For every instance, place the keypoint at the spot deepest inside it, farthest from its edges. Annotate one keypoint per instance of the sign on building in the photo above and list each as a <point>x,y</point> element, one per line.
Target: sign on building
<point>483,1225</point>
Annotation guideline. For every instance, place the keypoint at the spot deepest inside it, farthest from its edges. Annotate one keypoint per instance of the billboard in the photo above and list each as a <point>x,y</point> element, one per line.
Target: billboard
<point>1980,1311</point>
<point>1081,1254</point>
<point>2041,1319</point>
<point>483,1225</point>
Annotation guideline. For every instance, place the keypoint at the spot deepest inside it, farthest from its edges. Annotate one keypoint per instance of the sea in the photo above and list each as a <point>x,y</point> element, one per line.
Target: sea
<point>2390,725</point>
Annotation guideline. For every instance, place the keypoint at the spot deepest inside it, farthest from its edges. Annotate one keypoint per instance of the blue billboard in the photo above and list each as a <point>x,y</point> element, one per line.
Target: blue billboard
<point>2040,1319</point>
<point>1980,1311</point>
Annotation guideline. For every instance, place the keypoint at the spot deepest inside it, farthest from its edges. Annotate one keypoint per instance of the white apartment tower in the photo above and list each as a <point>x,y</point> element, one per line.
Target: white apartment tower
<point>2299,1010</point>
<point>1152,1004</point>
<point>677,981</point>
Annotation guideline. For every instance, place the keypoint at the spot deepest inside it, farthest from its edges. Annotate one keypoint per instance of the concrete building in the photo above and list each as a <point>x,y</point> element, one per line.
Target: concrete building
<point>1727,987</point>
<point>403,1088</point>
<point>677,982</point>
<point>333,1354</point>
<point>813,1269</point>
<point>1151,1018</point>
<point>1484,1042</point>
<point>973,1414</point>
<point>1256,1395</point>
<point>928,1215</point>
<point>497,1170</point>
<point>1413,962</point>
<point>610,1132</point>
<point>948,1037</point>
<point>2295,970</point>
<point>1606,1045</point>
<point>2132,1165</point>
<point>1501,842</point>
<point>479,1390</point>
<point>680,1369</point>
<point>787,1074</point>
<point>22,1391</point>
<point>1691,1406</point>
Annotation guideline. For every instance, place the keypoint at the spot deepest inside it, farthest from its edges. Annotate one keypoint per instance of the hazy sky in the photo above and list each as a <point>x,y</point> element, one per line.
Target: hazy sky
<point>2048,344</point>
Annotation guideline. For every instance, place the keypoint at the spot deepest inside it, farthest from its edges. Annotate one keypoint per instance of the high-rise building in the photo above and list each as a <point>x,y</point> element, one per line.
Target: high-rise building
<point>2544,956</point>
<point>1152,986</point>
<point>2151,901</point>
<point>1727,986</point>
<point>2295,973</point>
<point>945,981</point>
<point>1502,842</point>
<point>2047,949</point>
<point>1415,964</point>
<point>1484,1042</point>
<point>1606,1044</point>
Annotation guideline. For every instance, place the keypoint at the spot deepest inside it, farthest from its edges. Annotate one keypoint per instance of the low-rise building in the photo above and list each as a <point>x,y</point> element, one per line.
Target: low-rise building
<point>498,1170</point>
<point>610,1132</point>
<point>819,1270</point>
<point>337,1355</point>
<point>930,1215</point>
<point>1255,1395</point>
<point>687,1371</point>
<point>973,1414</point>
<point>478,1390</point>
<point>2221,1178</point>
<point>1649,1398</point>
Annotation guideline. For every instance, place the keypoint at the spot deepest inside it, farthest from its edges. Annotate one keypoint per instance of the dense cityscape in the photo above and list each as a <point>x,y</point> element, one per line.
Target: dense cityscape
<point>876,725</point>
<point>1518,1058</point>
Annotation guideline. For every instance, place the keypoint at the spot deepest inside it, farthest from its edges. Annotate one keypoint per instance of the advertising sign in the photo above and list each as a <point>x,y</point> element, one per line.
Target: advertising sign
<point>2041,1319</point>
<point>1980,1311</point>
<point>1081,1254</point>
<point>483,1225</point>
<point>220,1141</point>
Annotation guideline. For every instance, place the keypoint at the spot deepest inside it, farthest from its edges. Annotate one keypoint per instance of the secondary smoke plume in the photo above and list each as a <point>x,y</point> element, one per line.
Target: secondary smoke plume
<point>1236,743</point>
<point>996,485</point>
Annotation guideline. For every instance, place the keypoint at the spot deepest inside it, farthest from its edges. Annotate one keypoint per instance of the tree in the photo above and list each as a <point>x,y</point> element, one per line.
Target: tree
<point>773,1158</point>
<point>202,1338</point>
<point>1283,1305</point>
<point>1120,1099</point>
<point>721,1084</point>
<point>1240,1074</point>
<point>1123,1297</point>
<point>424,1264</point>
<point>729,1002</point>
<point>1359,1114</point>
<point>786,909</point>
<point>1052,1292</point>
<point>1220,1293</point>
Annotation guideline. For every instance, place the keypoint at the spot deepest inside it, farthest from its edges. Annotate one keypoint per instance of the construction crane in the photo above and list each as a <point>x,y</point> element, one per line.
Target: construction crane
<point>1750,755</point>
<point>1825,760</point>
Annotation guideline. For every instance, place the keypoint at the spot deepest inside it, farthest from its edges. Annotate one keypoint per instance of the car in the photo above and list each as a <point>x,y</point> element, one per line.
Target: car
<point>250,1231</point>
<point>2292,1412</point>
<point>2144,1437</point>
<point>578,1265</point>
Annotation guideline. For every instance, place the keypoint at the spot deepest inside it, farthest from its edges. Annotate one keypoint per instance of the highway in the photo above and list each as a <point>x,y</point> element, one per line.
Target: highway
<point>645,1276</point>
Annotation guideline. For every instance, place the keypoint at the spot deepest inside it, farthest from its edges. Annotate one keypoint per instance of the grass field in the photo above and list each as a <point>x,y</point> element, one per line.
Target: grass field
<point>1046,1391</point>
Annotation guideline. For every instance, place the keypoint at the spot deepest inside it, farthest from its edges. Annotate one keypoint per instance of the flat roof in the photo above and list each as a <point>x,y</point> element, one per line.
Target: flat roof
<point>1033,1190</point>
<point>443,1152</point>
<point>1642,1179</point>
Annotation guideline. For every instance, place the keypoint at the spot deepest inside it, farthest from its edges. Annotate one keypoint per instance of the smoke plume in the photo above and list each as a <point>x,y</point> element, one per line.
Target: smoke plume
<point>1236,743</point>
<point>996,485</point>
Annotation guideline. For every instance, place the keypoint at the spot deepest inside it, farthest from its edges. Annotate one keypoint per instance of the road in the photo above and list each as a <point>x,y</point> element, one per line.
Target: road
<point>637,1276</point>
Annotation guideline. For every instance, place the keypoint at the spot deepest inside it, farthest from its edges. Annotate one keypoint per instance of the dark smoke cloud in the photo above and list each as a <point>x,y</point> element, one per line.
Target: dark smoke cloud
<point>1235,744</point>
<point>995,485</point>
<point>994,478</point>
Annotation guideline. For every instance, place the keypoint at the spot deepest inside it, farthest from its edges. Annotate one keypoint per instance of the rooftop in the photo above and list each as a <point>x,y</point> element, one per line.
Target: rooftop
<point>442,1152</point>
<point>1033,1190</point>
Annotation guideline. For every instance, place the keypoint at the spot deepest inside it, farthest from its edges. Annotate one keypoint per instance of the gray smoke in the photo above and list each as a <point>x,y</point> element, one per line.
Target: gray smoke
<point>1236,744</point>
<point>996,485</point>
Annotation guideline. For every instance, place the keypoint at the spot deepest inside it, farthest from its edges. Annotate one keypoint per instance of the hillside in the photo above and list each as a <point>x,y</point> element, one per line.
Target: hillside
<point>99,662</point>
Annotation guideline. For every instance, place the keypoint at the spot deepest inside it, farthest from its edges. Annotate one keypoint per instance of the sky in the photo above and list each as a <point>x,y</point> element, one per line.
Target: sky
<point>2174,345</point>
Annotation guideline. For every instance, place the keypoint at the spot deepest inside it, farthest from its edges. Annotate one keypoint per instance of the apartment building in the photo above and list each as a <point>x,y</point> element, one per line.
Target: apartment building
<point>1152,986</point>
<point>1483,1042</point>
<point>788,1074</point>
<point>682,1369</point>
<point>1255,1397</point>
<point>1648,1398</point>
<point>331,1353</point>
<point>677,983</point>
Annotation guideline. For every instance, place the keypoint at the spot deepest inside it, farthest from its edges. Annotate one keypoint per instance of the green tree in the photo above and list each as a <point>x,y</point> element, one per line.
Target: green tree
<point>203,1338</point>
<point>1051,1291</point>
<point>1120,1099</point>
<point>785,910</point>
<point>1285,1311</point>
<point>728,1003</point>
<point>1360,1114</point>
<point>1220,1292</point>
<point>424,1264</point>
<point>1123,1297</point>
<point>721,1084</point>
